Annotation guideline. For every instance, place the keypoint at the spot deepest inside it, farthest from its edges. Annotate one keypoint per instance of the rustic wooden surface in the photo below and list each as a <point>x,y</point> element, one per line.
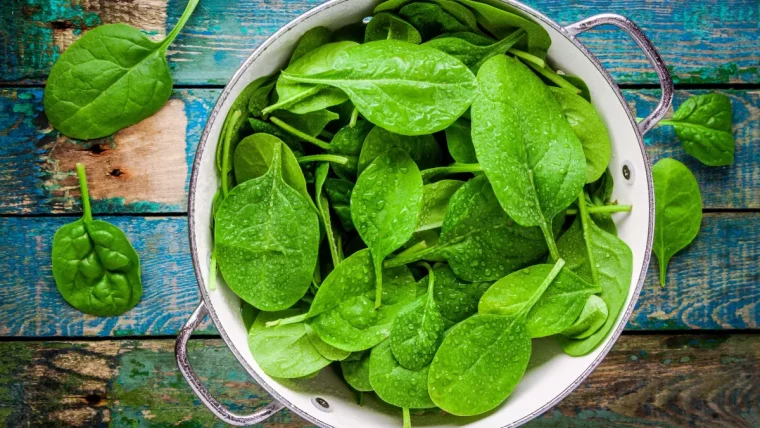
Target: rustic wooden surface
<point>691,352</point>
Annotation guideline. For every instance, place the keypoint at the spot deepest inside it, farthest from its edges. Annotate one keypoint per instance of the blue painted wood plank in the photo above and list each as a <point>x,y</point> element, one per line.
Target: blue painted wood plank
<point>713,284</point>
<point>710,41</point>
<point>145,168</point>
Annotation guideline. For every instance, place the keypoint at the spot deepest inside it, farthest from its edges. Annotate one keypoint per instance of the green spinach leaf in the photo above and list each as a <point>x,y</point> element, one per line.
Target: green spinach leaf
<point>253,158</point>
<point>423,149</point>
<point>435,202</point>
<point>423,89</point>
<point>330,352</point>
<point>703,124</point>
<point>311,124</point>
<point>96,269</point>
<point>678,210</point>
<point>395,384</point>
<point>456,299</point>
<point>526,148</point>
<point>311,40</point>
<point>339,194</point>
<point>432,19</point>
<point>267,238</point>
<point>109,79</point>
<point>459,142</point>
<point>356,371</point>
<point>387,26</point>
<point>385,205</point>
<point>323,209</point>
<point>473,55</point>
<point>348,142</point>
<point>591,319</point>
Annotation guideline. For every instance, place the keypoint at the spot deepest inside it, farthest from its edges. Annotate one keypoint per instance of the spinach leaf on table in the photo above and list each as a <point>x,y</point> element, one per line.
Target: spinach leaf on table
<point>678,210</point>
<point>428,89</point>
<point>394,383</point>
<point>109,79</point>
<point>703,124</point>
<point>267,238</point>
<point>588,126</point>
<point>435,202</point>
<point>591,319</point>
<point>554,311</point>
<point>339,195</point>
<point>525,146</point>
<point>348,142</point>
<point>311,40</point>
<point>478,239</point>
<point>473,55</point>
<point>284,351</point>
<point>96,269</point>
<point>323,209</point>
<point>356,371</point>
<point>417,331</point>
<point>387,26</point>
<point>423,149</point>
<point>459,142</point>
<point>385,205</point>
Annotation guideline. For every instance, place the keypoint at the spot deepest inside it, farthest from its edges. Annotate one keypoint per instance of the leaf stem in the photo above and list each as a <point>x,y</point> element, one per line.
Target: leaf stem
<point>552,76</point>
<point>323,158</point>
<point>290,320</point>
<point>296,133</point>
<point>603,209</point>
<point>407,418</point>
<point>585,219</point>
<point>430,173</point>
<point>528,57</point>
<point>378,281</point>
<point>550,242</point>
<point>400,260</point>
<point>292,100</point>
<point>326,134</point>
<point>431,278</point>
<point>86,210</point>
<point>181,23</point>
<point>354,117</point>
<point>544,285</point>
<point>419,246</point>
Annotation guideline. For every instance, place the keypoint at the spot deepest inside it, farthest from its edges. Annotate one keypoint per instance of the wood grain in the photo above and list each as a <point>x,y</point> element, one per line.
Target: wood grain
<point>709,41</point>
<point>657,380</point>
<point>713,284</point>
<point>145,168</point>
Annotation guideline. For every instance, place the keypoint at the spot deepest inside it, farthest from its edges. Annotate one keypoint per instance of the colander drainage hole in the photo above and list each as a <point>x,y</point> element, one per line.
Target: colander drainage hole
<point>321,404</point>
<point>628,172</point>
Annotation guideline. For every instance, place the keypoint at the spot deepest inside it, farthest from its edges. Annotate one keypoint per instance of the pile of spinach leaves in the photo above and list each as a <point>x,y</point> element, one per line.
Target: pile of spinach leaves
<point>416,203</point>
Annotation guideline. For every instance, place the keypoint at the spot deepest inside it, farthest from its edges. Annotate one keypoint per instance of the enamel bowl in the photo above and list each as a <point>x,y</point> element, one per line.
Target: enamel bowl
<point>325,400</point>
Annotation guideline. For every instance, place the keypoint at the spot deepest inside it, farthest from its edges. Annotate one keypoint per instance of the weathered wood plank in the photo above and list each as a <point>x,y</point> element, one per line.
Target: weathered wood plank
<point>659,380</point>
<point>713,284</point>
<point>702,42</point>
<point>145,168</point>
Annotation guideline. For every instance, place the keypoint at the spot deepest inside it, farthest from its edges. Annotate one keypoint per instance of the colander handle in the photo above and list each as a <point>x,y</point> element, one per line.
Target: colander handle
<point>180,351</point>
<point>633,30</point>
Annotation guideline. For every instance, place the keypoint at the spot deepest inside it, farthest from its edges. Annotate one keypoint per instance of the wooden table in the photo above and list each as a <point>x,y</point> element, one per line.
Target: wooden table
<point>691,352</point>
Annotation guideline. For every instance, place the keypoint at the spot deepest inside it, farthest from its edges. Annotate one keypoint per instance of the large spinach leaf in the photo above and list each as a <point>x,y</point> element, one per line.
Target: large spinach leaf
<point>678,210</point>
<point>267,238</point>
<point>111,78</point>
<point>406,88</point>
<point>525,146</point>
<point>385,205</point>
<point>423,149</point>
<point>95,267</point>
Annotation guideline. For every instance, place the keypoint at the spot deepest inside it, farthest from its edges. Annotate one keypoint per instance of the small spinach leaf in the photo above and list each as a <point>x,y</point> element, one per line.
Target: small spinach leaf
<point>323,209</point>
<point>387,26</point>
<point>456,299</point>
<point>311,124</point>
<point>348,143</point>
<point>423,89</point>
<point>253,158</point>
<point>435,202</point>
<point>110,78</point>
<point>423,149</point>
<point>591,319</point>
<point>432,19</point>
<point>267,238</point>
<point>678,210</point>
<point>473,55</point>
<point>356,371</point>
<point>259,126</point>
<point>339,194</point>
<point>330,352</point>
<point>395,384</point>
<point>385,205</point>
<point>311,40</point>
<point>459,142</point>
<point>96,269</point>
<point>703,124</point>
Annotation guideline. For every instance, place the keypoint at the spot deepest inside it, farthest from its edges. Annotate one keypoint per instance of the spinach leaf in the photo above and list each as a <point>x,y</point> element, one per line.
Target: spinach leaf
<point>482,359</point>
<point>356,371</point>
<point>678,210</point>
<point>387,26</point>
<point>323,209</point>
<point>501,22</point>
<point>248,312</point>
<point>591,319</point>
<point>394,383</point>
<point>311,40</point>
<point>456,299</point>
<point>450,9</point>
<point>423,149</point>
<point>385,205</point>
<point>304,97</point>
<point>435,201</point>
<point>423,89</point>
<point>267,238</point>
<point>253,158</point>
<point>284,351</point>
<point>96,269</point>
<point>478,239</point>
<point>530,154</point>
<point>339,195</point>
<point>417,331</point>
<point>311,124</point>
<point>703,124</point>
<point>348,143</point>
<point>580,84</point>
<point>109,79</point>
<point>259,126</point>
<point>603,259</point>
<point>459,142</point>
<point>590,130</point>
<point>432,19</point>
<point>554,312</point>
<point>330,352</point>
<point>473,55</point>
